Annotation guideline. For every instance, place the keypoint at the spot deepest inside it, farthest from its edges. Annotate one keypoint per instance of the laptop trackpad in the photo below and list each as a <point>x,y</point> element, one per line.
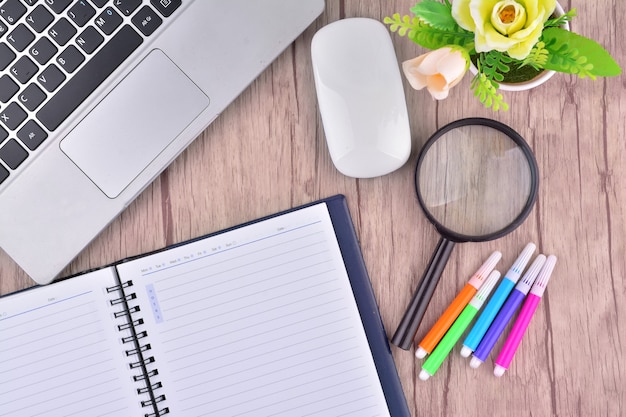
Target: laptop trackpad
<point>130,127</point>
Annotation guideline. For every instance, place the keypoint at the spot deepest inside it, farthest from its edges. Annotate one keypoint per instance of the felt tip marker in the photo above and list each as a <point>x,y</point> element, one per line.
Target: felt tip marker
<point>444,347</point>
<point>497,299</point>
<point>507,311</point>
<point>442,325</point>
<point>523,319</point>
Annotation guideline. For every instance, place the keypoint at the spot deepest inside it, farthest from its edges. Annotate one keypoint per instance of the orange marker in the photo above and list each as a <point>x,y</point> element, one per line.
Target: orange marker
<point>439,329</point>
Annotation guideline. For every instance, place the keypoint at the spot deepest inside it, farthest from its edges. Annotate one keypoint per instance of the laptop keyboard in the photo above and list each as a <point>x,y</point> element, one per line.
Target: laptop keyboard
<point>54,54</point>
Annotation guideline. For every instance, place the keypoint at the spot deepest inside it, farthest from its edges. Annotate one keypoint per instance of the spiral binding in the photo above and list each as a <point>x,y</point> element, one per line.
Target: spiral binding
<point>149,375</point>
<point>124,284</point>
<point>159,413</point>
<point>138,349</point>
<point>134,309</point>
<point>126,326</point>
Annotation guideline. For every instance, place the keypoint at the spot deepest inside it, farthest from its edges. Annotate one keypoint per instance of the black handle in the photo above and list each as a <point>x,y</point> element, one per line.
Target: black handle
<point>403,338</point>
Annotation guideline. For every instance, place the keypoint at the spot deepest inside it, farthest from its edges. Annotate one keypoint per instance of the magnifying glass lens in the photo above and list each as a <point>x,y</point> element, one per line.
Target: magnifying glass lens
<point>474,180</point>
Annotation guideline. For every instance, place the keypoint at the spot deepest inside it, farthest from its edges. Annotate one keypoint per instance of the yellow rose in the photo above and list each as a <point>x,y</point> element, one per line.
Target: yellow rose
<point>437,70</point>
<point>512,26</point>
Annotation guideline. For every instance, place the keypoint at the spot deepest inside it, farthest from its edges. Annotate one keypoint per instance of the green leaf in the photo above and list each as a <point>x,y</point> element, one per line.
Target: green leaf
<point>433,38</point>
<point>486,91</point>
<point>435,14</point>
<point>494,64</point>
<point>559,21</point>
<point>404,26</point>
<point>537,57</point>
<point>575,54</point>
<point>427,36</point>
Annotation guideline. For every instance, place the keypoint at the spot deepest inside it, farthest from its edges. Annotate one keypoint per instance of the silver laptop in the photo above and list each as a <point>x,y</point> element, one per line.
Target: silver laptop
<point>97,97</point>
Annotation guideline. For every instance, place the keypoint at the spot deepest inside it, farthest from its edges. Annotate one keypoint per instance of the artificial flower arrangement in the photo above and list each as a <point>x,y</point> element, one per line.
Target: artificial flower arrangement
<point>502,38</point>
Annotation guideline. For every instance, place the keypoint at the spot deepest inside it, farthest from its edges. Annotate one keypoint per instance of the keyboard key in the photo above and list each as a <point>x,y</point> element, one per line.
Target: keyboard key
<point>146,20</point>
<point>6,55</point>
<point>20,37</point>
<point>3,134</point>
<point>99,3</point>
<point>43,50</point>
<point>12,116</point>
<point>91,75</point>
<point>127,7</point>
<point>39,19</point>
<point>51,78</point>
<point>8,88</point>
<point>4,174</point>
<point>108,21</point>
<point>12,10</point>
<point>3,29</point>
<point>58,6</point>
<point>89,40</point>
<point>62,31</point>
<point>70,59</point>
<point>13,154</point>
<point>30,2</point>
<point>166,7</point>
<point>24,69</point>
<point>32,97</point>
<point>32,135</point>
<point>81,12</point>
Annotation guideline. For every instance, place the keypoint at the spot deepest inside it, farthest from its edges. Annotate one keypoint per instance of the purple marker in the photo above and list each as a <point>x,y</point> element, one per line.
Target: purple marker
<point>504,315</point>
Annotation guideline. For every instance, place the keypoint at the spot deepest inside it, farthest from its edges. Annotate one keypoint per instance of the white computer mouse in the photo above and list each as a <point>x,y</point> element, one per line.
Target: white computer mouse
<point>360,97</point>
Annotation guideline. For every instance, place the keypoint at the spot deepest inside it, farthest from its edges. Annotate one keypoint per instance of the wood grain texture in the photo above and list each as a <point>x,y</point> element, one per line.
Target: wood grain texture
<point>267,153</point>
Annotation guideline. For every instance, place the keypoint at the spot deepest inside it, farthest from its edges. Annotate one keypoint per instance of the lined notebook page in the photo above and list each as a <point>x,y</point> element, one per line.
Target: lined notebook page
<point>60,352</point>
<point>258,321</point>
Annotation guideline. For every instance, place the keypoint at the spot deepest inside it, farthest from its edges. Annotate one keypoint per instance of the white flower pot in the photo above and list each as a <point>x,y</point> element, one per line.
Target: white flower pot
<point>540,78</point>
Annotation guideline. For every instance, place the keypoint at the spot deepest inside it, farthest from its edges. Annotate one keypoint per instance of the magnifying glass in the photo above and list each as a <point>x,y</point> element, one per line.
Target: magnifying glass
<point>476,180</point>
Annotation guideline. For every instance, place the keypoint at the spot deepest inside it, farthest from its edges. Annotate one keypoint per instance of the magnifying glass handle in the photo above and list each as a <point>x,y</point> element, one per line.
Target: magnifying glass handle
<point>403,338</point>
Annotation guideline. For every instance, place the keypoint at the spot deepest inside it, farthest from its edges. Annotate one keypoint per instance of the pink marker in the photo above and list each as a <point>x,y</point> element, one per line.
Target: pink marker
<point>521,324</point>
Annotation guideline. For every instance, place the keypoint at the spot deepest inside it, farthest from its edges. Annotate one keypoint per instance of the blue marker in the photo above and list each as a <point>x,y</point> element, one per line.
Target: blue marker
<point>497,299</point>
<point>508,309</point>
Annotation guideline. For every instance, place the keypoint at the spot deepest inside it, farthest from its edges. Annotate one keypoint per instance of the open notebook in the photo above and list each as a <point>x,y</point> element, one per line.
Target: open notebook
<point>274,317</point>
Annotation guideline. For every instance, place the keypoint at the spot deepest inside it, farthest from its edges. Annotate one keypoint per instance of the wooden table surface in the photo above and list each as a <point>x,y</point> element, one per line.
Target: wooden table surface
<point>267,152</point>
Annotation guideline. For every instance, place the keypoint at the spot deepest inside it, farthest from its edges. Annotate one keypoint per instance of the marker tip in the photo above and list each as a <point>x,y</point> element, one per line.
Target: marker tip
<point>465,351</point>
<point>475,362</point>
<point>424,375</point>
<point>420,353</point>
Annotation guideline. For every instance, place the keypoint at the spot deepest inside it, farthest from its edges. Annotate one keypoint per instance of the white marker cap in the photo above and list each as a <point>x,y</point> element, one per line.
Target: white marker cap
<point>522,260</point>
<point>466,351</point>
<point>531,274</point>
<point>541,282</point>
<point>485,269</point>
<point>483,293</point>
<point>475,362</point>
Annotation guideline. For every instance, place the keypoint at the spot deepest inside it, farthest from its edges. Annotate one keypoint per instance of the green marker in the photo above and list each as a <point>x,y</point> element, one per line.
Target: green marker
<point>444,347</point>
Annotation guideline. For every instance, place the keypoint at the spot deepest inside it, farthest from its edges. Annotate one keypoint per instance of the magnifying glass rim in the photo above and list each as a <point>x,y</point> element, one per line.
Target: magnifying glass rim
<point>534,174</point>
